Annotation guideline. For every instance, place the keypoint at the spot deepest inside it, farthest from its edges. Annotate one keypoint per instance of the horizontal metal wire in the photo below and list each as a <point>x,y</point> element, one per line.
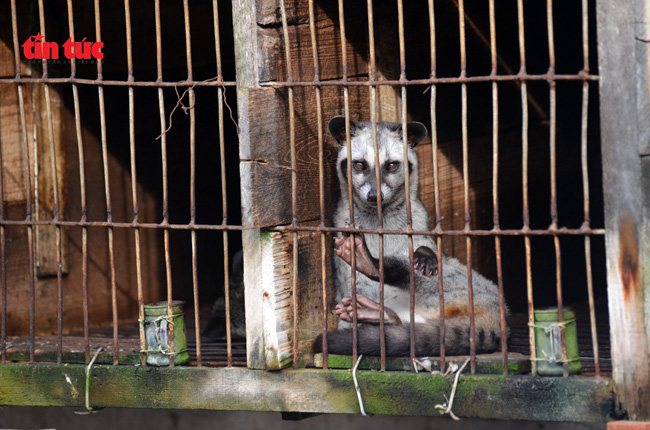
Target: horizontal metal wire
<point>580,76</point>
<point>125,83</point>
<point>548,77</point>
<point>507,232</point>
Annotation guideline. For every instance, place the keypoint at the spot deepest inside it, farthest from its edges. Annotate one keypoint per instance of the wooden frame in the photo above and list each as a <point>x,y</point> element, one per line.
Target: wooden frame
<point>275,316</point>
<point>623,52</point>
<point>331,391</point>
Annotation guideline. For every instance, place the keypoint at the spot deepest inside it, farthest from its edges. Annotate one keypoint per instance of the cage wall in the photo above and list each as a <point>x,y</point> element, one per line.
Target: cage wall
<point>512,115</point>
<point>120,180</point>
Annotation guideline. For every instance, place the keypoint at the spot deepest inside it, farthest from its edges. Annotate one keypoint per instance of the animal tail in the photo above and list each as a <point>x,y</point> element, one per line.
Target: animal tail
<point>427,339</point>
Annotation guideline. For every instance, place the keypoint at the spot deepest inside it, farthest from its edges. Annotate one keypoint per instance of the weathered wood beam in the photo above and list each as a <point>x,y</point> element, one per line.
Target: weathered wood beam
<point>622,52</point>
<point>391,393</point>
<point>269,297</point>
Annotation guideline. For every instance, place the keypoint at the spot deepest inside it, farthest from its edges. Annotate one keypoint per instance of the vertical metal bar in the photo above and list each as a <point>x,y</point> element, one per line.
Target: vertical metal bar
<point>28,204</point>
<point>468,242</point>
<point>407,182</point>
<point>585,184</point>
<point>380,218</point>
<point>346,104</point>
<point>57,200</point>
<point>524,167</point>
<point>554,216</point>
<point>294,182</point>
<point>82,184</point>
<point>164,162</point>
<point>495,186</point>
<point>107,190</point>
<point>127,16</point>
<point>321,177</point>
<point>436,184</point>
<point>553,111</point>
<point>226,261</point>
<point>224,195</point>
<point>192,106</point>
<point>560,306</point>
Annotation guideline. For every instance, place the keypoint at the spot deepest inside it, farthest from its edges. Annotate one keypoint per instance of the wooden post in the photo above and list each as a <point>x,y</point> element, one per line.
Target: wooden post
<point>266,173</point>
<point>625,119</point>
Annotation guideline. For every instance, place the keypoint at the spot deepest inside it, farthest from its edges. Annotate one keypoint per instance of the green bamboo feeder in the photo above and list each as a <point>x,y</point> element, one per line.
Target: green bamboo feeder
<point>156,331</point>
<point>548,343</point>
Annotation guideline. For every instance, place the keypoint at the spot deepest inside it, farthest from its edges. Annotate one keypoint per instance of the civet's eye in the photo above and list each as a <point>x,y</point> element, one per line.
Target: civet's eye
<point>392,166</point>
<point>359,165</point>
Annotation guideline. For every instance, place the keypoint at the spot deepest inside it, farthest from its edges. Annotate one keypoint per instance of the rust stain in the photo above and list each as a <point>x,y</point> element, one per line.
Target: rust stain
<point>461,311</point>
<point>454,311</point>
<point>629,258</point>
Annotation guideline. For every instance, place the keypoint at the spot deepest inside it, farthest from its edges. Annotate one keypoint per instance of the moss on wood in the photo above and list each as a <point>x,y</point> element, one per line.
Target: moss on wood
<point>488,364</point>
<point>308,390</point>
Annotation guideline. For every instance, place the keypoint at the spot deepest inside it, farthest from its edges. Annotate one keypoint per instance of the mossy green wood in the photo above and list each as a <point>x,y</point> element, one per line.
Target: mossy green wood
<point>308,390</point>
<point>486,364</point>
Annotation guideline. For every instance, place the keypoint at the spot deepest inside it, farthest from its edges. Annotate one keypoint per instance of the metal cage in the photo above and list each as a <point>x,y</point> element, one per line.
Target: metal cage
<point>116,192</point>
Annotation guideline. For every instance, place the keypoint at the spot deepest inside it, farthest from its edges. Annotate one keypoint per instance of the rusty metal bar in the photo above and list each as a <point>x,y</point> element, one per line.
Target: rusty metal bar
<point>407,181</point>
<point>112,83</point>
<point>495,186</point>
<point>372,75</point>
<point>55,192</point>
<point>28,188</point>
<point>465,142</point>
<point>321,176</point>
<point>346,103</point>
<point>164,162</point>
<point>224,195</point>
<point>107,189</point>
<point>226,261</point>
<point>553,115</point>
<point>82,183</point>
<point>192,109</point>
<point>436,184</point>
<point>560,305</point>
<point>520,77</point>
<point>524,167</point>
<point>127,17</point>
<point>14,31</point>
<point>331,83</point>
<point>553,159</point>
<point>211,227</point>
<point>585,185</point>
<point>294,182</point>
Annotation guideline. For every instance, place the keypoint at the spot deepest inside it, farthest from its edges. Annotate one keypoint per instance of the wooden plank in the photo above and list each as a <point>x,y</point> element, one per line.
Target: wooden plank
<point>73,350</point>
<point>313,391</point>
<point>7,56</point>
<point>626,207</point>
<point>11,139</point>
<point>47,179</point>
<point>389,103</point>
<point>269,293</point>
<point>272,55</point>
<point>266,154</point>
<point>642,53</point>
<point>518,364</point>
<point>268,12</point>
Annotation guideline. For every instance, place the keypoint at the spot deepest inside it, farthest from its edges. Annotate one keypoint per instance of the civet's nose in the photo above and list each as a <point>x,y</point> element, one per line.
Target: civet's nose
<point>372,197</point>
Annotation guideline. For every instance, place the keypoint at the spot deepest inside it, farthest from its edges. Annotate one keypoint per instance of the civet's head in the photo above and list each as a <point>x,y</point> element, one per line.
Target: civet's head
<point>390,146</point>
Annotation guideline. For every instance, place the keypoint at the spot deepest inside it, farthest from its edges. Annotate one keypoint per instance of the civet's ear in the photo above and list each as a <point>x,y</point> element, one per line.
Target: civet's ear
<point>415,133</point>
<point>336,128</point>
